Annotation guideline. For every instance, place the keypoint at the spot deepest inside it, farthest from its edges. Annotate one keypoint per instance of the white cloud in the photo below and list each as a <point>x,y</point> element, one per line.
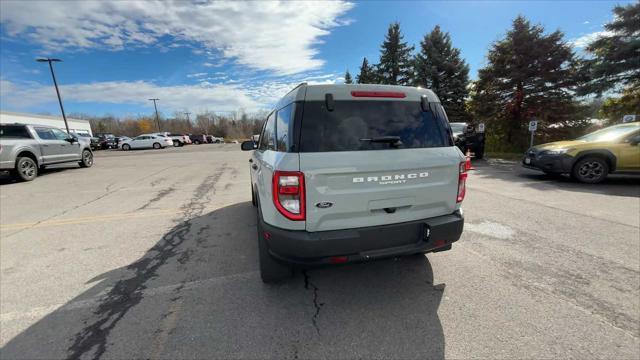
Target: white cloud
<point>195,97</point>
<point>584,40</point>
<point>275,36</point>
<point>197,75</point>
<point>232,95</point>
<point>586,22</point>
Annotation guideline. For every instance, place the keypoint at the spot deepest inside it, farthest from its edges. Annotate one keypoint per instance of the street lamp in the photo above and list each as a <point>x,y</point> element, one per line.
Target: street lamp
<point>55,83</point>
<point>157,118</point>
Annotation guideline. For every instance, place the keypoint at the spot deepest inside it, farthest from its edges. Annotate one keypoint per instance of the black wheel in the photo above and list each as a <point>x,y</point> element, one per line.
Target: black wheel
<point>176,143</point>
<point>87,159</point>
<point>156,146</point>
<point>479,153</point>
<point>197,142</point>
<point>126,147</point>
<point>271,270</point>
<point>253,197</point>
<point>590,170</point>
<point>26,168</point>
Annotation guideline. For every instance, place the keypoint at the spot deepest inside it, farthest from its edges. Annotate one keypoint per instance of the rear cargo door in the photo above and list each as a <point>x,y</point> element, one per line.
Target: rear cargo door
<point>369,163</point>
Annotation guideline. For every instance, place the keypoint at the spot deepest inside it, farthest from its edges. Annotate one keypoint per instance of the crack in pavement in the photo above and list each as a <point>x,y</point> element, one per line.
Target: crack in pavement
<point>317,305</point>
<point>127,293</point>
<point>159,196</point>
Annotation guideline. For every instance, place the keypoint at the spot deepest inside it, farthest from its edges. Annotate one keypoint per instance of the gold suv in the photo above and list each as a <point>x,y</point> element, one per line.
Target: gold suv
<point>592,157</point>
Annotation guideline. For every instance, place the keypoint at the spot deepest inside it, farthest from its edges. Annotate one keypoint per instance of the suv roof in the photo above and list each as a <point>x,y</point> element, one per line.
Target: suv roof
<point>343,92</point>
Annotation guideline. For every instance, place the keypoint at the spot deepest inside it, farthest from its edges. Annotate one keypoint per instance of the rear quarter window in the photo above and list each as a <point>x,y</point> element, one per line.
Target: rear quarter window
<point>14,132</point>
<point>284,128</point>
<point>347,127</point>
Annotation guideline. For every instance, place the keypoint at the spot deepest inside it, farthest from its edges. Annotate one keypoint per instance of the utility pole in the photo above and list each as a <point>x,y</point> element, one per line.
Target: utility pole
<point>157,118</point>
<point>55,83</point>
<point>187,113</point>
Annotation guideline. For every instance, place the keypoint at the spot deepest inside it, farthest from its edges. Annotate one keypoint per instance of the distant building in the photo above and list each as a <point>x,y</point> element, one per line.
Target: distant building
<point>75,125</point>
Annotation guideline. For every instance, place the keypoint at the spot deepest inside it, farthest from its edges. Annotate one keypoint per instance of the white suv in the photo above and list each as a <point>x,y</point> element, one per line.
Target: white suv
<point>346,173</point>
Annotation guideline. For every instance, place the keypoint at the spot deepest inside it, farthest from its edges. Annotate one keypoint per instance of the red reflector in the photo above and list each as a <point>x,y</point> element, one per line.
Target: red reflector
<point>379,94</point>
<point>266,235</point>
<point>338,259</point>
<point>289,190</point>
<point>439,243</point>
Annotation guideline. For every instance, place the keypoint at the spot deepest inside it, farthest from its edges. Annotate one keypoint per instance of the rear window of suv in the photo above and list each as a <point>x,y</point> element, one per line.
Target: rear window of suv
<point>351,123</point>
<point>14,132</point>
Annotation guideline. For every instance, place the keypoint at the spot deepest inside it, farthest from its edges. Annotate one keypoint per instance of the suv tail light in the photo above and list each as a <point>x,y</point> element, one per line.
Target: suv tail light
<point>462,182</point>
<point>288,194</point>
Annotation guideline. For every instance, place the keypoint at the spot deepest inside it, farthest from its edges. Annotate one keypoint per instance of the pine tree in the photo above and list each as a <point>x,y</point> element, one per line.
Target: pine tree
<point>616,56</point>
<point>438,66</point>
<point>395,67</point>
<point>367,75</point>
<point>529,74</point>
<point>347,78</point>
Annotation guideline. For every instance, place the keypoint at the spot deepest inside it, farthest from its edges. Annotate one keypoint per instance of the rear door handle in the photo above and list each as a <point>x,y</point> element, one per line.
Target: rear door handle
<point>250,160</point>
<point>254,167</point>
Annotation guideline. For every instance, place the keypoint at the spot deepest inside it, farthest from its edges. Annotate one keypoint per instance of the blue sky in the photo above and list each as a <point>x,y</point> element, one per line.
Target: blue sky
<point>230,56</point>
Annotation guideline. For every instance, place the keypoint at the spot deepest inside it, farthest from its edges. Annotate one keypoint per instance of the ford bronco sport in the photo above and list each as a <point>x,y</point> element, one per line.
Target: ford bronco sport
<point>347,173</point>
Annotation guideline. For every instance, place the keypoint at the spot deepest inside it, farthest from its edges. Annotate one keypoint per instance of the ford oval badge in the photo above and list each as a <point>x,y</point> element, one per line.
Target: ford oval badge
<point>324,204</point>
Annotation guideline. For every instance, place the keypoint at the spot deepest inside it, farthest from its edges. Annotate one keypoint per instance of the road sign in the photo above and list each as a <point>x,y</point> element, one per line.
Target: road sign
<point>533,125</point>
<point>481,127</point>
<point>628,118</point>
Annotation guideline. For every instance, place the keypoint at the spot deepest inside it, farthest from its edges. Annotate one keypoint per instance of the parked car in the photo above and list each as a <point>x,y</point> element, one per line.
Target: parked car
<point>592,157</point>
<point>466,138</point>
<point>24,149</point>
<point>121,139</point>
<point>371,173</point>
<point>198,139</point>
<point>214,140</point>
<point>177,139</point>
<point>147,141</point>
<point>93,141</point>
<point>106,141</point>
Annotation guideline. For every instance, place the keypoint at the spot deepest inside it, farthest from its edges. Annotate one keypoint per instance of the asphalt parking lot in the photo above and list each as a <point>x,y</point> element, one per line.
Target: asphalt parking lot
<point>153,254</point>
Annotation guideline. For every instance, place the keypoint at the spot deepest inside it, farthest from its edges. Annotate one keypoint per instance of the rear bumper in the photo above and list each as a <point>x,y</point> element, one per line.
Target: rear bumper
<point>361,244</point>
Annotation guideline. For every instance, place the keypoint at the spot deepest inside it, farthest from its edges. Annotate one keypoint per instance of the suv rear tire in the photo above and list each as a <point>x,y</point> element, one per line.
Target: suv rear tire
<point>590,170</point>
<point>26,168</point>
<point>271,270</point>
<point>176,143</point>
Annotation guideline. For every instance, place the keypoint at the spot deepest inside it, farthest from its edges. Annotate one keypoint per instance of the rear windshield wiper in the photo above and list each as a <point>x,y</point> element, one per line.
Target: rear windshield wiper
<point>394,141</point>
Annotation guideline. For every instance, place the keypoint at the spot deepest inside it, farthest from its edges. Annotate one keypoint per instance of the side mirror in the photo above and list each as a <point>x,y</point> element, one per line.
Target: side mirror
<point>71,139</point>
<point>248,145</point>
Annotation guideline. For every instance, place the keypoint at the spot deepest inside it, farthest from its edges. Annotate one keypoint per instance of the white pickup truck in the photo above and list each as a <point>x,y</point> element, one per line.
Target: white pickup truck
<point>24,149</point>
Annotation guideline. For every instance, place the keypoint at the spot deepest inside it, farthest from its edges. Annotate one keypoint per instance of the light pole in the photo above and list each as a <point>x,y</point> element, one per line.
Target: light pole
<point>157,118</point>
<point>55,83</point>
